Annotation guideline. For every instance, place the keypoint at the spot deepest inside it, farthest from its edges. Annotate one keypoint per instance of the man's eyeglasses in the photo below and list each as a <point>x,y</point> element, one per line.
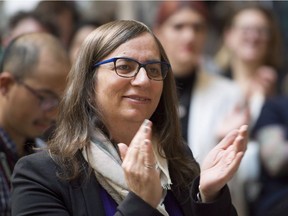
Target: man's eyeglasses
<point>47,103</point>
<point>128,68</point>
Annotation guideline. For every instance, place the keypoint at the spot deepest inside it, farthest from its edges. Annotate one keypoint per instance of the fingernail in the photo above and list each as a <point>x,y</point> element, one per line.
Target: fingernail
<point>244,128</point>
<point>146,122</point>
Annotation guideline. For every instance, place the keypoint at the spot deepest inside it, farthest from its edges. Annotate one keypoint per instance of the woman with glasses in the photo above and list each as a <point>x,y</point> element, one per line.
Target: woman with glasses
<point>117,149</point>
<point>251,55</point>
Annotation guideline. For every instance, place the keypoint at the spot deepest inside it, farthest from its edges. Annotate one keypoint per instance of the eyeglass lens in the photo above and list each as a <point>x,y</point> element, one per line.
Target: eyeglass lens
<point>47,103</point>
<point>129,68</point>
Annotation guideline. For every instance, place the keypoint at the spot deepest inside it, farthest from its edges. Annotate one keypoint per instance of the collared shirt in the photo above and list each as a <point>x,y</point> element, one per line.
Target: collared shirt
<point>8,159</point>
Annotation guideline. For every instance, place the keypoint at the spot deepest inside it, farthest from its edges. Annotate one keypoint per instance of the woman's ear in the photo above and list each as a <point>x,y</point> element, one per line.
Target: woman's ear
<point>6,80</point>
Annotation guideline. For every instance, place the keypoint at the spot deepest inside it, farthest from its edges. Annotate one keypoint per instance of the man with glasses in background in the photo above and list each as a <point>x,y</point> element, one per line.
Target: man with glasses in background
<point>33,76</point>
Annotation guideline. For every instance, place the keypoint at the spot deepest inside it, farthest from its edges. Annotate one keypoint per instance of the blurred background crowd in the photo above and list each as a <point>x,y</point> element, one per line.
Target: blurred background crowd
<point>236,73</point>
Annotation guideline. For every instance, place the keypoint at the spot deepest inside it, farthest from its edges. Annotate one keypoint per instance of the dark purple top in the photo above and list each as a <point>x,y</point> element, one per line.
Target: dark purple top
<point>170,202</point>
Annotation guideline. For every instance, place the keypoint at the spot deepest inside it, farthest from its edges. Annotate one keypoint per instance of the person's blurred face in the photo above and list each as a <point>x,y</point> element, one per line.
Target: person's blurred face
<point>183,36</point>
<point>27,25</point>
<point>128,99</point>
<point>249,36</point>
<point>24,114</point>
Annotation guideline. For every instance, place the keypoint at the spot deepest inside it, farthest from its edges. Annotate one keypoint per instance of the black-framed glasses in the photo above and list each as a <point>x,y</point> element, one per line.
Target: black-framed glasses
<point>128,68</point>
<point>48,102</point>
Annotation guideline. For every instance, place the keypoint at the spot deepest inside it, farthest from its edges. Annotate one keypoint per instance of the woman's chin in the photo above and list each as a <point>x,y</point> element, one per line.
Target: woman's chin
<point>136,116</point>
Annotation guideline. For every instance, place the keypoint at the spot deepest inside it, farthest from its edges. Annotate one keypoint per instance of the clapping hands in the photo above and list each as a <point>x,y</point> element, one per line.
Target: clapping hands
<point>222,162</point>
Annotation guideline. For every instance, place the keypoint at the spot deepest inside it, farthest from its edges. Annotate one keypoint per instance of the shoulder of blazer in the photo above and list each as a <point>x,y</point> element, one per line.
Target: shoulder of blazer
<point>80,196</point>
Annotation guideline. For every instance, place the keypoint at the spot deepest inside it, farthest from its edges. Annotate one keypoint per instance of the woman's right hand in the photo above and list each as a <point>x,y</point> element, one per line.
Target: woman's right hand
<point>139,165</point>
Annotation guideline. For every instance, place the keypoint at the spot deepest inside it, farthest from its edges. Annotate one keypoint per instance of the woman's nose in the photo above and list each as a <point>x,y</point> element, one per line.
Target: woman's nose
<point>189,34</point>
<point>141,77</point>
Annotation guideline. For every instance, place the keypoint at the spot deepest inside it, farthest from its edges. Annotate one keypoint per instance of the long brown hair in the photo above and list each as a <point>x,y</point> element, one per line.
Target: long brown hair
<point>79,115</point>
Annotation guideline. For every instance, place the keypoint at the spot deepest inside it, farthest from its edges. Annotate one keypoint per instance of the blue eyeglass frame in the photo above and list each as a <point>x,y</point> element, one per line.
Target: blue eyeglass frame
<point>131,59</point>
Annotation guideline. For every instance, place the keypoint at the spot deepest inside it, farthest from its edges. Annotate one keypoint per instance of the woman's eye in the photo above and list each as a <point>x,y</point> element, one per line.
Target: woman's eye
<point>154,72</point>
<point>178,27</point>
<point>123,67</point>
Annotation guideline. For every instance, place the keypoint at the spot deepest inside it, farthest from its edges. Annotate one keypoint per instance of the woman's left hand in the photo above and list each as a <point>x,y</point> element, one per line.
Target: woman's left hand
<point>222,162</point>
<point>139,165</point>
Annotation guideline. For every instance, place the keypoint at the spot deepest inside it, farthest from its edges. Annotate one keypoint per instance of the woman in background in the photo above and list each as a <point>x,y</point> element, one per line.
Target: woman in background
<point>205,100</point>
<point>251,55</point>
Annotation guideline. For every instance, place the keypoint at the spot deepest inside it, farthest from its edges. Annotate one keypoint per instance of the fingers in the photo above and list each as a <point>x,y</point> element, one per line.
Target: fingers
<point>143,133</point>
<point>231,137</point>
<point>235,152</point>
<point>123,148</point>
<point>223,161</point>
<point>148,155</point>
<point>140,152</point>
<point>232,163</point>
<point>139,166</point>
<point>240,143</point>
<point>243,131</point>
<point>228,139</point>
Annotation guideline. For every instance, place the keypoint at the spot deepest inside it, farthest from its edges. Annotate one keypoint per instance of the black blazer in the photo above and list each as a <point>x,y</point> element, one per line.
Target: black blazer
<point>38,191</point>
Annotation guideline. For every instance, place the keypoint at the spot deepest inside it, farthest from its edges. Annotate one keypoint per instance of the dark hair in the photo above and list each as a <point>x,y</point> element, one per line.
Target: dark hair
<point>52,8</point>
<point>168,8</point>
<point>77,105</point>
<point>19,58</point>
<point>49,26</point>
<point>23,53</point>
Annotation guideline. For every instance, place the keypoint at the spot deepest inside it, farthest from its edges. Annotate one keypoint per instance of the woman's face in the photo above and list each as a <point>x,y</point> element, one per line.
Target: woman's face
<point>183,36</point>
<point>129,99</point>
<point>249,36</point>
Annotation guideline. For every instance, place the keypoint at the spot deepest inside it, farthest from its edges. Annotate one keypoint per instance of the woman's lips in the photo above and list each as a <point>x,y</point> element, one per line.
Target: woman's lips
<point>138,99</point>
